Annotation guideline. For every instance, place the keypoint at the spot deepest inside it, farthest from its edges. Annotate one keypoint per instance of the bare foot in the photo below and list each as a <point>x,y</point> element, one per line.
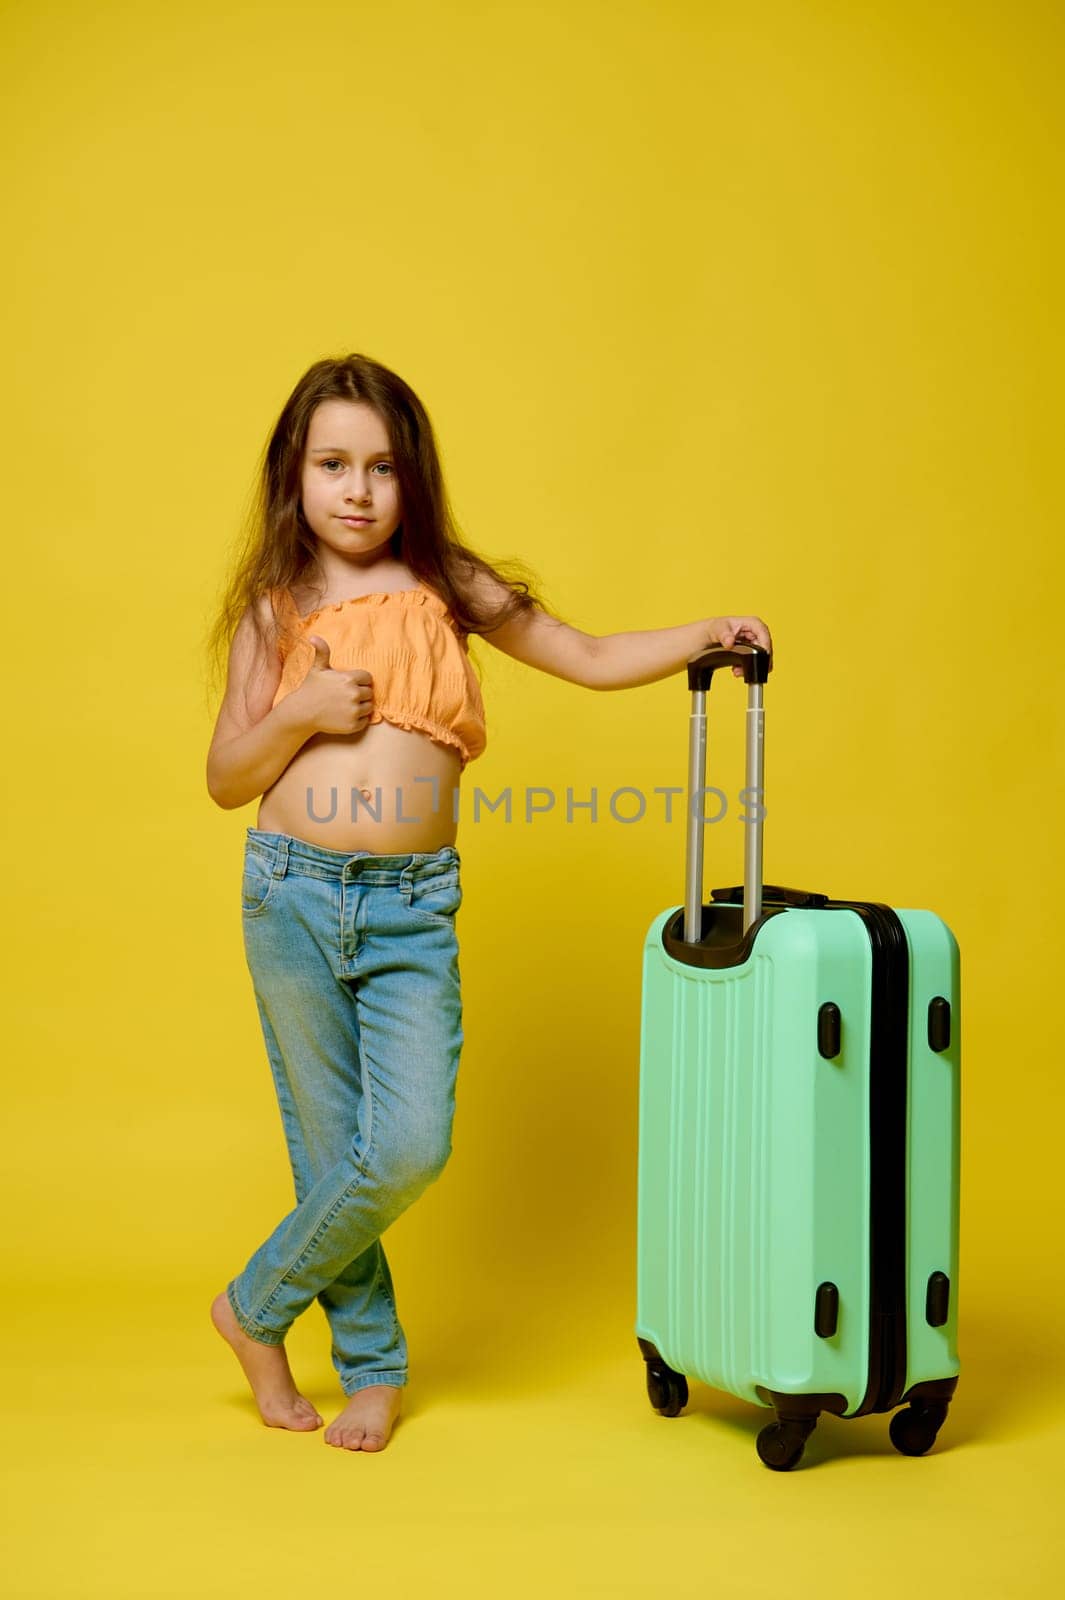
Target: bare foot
<point>267,1370</point>
<point>366,1421</point>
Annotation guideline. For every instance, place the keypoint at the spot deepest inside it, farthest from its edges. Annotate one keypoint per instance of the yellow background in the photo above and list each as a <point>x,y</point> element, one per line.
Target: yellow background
<point>715,307</point>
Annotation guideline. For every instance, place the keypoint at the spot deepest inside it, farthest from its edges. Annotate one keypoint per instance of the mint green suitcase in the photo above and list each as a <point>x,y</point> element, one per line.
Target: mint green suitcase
<point>798,1183</point>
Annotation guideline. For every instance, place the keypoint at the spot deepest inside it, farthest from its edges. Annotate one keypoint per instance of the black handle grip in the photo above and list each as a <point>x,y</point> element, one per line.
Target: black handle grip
<point>751,657</point>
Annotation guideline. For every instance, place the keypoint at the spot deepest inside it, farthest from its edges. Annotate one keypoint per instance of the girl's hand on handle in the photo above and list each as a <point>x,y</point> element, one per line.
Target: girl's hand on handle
<point>335,701</point>
<point>728,631</point>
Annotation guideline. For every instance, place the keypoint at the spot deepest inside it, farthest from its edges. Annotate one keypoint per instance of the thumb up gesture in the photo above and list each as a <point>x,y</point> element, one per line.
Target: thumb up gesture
<point>335,701</point>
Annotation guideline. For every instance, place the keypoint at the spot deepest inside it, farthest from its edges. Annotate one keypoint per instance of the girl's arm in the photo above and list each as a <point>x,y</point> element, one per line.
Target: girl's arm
<point>252,743</point>
<point>625,660</point>
<point>616,660</point>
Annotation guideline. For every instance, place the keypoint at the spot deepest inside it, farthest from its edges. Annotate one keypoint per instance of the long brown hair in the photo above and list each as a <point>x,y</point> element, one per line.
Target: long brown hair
<point>278,548</point>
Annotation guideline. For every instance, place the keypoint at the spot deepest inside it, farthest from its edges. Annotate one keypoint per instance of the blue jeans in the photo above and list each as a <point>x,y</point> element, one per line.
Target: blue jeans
<point>354,961</point>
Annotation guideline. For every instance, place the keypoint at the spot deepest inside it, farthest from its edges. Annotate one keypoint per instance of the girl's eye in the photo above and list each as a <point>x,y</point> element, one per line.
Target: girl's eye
<point>332,461</point>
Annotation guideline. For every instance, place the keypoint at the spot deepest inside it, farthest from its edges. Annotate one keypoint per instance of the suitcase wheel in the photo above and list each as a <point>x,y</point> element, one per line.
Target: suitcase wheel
<point>780,1444</point>
<point>913,1430</point>
<point>667,1389</point>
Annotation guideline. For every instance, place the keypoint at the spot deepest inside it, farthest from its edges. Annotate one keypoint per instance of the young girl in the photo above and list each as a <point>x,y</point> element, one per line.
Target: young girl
<point>351,706</point>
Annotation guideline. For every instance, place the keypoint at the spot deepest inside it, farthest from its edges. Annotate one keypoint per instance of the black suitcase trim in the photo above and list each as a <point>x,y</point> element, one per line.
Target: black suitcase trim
<point>888,1109</point>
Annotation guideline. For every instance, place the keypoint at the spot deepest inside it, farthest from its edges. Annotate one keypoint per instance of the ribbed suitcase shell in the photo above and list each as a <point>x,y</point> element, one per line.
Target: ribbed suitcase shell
<point>754,1183</point>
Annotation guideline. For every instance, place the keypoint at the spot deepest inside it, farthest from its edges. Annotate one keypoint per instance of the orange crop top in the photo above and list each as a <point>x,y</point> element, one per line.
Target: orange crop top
<point>408,640</point>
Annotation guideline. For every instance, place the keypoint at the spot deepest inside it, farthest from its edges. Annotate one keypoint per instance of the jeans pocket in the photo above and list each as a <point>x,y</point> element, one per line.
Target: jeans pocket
<point>436,898</point>
<point>259,880</point>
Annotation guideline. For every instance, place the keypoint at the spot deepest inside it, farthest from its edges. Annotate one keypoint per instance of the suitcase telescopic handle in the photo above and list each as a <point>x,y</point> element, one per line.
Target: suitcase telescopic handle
<point>751,657</point>
<point>755,663</point>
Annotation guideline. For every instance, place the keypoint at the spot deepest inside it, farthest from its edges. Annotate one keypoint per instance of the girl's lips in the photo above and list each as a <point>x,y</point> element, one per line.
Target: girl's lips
<point>356,519</point>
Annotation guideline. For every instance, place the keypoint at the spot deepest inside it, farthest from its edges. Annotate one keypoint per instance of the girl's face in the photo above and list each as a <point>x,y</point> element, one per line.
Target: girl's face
<point>349,471</point>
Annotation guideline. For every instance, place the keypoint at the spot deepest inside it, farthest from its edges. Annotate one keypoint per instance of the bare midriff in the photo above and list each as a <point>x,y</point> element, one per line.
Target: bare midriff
<point>328,793</point>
